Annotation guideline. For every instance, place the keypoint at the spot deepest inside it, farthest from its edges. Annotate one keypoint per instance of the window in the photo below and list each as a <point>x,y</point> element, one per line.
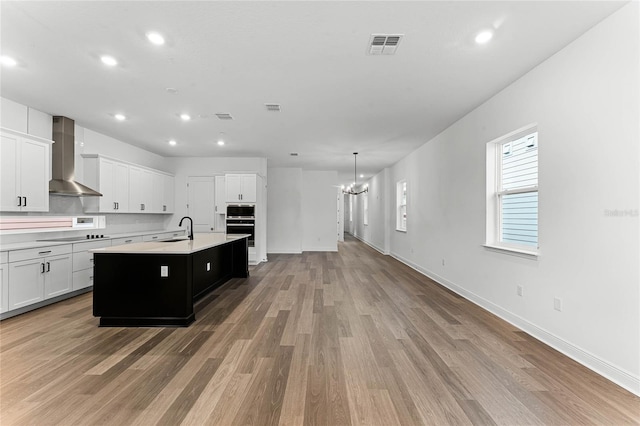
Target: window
<point>365,208</point>
<point>401,202</point>
<point>512,205</point>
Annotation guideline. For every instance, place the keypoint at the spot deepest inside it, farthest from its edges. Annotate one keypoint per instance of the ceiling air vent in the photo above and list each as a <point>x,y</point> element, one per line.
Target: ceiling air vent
<point>383,44</point>
<point>224,116</point>
<point>273,107</point>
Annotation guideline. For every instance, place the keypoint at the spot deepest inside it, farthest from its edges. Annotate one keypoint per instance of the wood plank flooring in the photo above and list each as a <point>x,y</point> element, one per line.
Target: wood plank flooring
<point>343,338</point>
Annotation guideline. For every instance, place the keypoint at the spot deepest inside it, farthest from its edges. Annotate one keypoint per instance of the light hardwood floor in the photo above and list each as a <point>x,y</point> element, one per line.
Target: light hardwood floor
<point>352,337</point>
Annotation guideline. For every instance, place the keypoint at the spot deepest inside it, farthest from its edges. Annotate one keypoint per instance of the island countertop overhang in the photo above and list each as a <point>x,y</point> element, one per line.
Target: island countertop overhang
<point>200,242</point>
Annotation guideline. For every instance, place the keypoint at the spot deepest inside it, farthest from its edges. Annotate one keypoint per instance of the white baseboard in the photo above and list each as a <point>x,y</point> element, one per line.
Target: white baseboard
<point>617,375</point>
<point>333,249</point>
<point>284,251</point>
<point>373,246</point>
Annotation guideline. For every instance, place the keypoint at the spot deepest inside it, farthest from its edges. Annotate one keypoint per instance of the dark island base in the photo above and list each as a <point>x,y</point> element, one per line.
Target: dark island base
<point>147,322</point>
<point>159,290</point>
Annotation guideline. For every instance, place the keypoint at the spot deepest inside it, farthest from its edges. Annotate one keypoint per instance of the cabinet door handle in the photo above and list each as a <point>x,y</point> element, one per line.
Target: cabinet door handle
<point>128,241</point>
<point>42,270</point>
<point>141,206</point>
<point>25,202</point>
<point>164,208</point>
<point>90,277</point>
<point>19,201</point>
<point>48,267</point>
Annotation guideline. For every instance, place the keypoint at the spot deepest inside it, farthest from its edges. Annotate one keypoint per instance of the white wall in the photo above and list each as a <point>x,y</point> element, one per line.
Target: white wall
<point>585,100</point>
<point>319,209</point>
<point>375,233</point>
<point>284,213</point>
<point>302,210</point>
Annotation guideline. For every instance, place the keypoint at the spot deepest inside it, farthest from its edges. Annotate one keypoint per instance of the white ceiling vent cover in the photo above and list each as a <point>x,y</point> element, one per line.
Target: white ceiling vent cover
<point>224,116</point>
<point>384,44</point>
<point>273,107</point>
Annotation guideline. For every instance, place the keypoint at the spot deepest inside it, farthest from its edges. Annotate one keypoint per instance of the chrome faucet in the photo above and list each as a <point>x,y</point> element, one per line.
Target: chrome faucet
<point>190,227</point>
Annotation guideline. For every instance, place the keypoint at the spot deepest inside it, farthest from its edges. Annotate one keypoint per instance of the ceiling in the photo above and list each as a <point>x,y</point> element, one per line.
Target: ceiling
<point>309,57</point>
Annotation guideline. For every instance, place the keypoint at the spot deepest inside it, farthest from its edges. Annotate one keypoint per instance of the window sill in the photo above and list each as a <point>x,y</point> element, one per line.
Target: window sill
<point>401,230</point>
<point>527,254</point>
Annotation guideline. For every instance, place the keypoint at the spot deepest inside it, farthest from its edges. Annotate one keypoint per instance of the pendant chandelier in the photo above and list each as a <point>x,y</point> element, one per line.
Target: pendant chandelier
<point>351,189</point>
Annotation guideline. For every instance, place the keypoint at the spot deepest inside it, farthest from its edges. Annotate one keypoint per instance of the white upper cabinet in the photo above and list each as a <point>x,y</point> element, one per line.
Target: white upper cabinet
<point>240,188</point>
<point>126,188</point>
<point>140,190</point>
<point>168,204</point>
<point>24,172</point>
<point>111,179</point>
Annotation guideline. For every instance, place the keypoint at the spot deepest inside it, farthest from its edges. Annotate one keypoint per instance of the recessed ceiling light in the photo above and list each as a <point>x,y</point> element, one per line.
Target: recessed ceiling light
<point>220,142</point>
<point>361,176</point>
<point>171,90</point>
<point>185,117</point>
<point>8,61</point>
<point>155,38</point>
<point>109,60</point>
<point>172,142</point>
<point>120,117</point>
<point>484,37</point>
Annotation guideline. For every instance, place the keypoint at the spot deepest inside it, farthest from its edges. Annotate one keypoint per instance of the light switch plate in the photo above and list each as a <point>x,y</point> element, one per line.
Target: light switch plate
<point>164,271</point>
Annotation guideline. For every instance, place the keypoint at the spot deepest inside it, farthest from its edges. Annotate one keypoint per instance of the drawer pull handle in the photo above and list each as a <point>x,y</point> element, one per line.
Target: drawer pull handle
<point>128,241</point>
<point>44,252</point>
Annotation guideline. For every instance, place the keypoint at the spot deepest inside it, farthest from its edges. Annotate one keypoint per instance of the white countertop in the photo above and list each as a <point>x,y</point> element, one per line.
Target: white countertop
<point>39,244</point>
<point>185,246</point>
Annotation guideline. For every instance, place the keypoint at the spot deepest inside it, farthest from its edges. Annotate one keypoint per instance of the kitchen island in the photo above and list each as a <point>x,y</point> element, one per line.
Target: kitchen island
<point>157,283</point>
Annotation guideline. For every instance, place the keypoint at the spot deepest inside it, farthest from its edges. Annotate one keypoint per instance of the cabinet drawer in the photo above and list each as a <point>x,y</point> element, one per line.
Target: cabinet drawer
<point>163,236</point>
<point>126,240</point>
<point>90,245</point>
<point>82,279</point>
<point>20,255</point>
<point>82,260</point>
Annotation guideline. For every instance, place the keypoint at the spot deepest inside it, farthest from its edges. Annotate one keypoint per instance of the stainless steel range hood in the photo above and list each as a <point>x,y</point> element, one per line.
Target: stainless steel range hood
<point>63,167</point>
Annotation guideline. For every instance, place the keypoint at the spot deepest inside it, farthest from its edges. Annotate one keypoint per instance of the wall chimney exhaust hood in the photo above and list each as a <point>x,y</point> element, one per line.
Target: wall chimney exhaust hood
<point>63,167</point>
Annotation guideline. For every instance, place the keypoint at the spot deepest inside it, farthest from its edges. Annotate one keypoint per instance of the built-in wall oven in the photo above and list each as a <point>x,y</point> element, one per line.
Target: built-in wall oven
<point>241,219</point>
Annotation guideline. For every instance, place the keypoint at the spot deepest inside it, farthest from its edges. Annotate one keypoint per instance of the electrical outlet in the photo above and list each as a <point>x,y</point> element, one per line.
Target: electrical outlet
<point>520,291</point>
<point>164,271</point>
<point>557,304</point>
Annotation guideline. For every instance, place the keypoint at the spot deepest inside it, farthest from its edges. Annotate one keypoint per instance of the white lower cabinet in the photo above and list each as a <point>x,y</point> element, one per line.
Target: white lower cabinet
<point>38,274</point>
<point>57,278</point>
<point>83,263</point>
<point>4,282</point>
